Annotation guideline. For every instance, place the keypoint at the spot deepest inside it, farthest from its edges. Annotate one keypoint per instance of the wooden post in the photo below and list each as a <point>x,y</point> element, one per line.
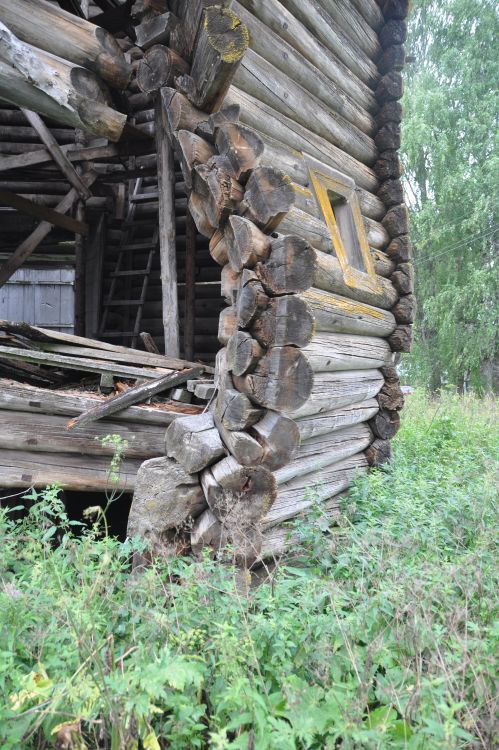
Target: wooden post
<point>80,265</point>
<point>167,249</point>
<point>190,286</point>
<point>93,275</point>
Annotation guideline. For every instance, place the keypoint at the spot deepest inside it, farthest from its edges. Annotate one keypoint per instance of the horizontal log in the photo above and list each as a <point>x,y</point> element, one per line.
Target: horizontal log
<point>328,422</point>
<point>331,352</point>
<point>267,198</point>
<point>332,390</point>
<point>393,32</point>
<point>301,493</point>
<point>353,25</point>
<point>385,424</point>
<point>379,453</point>
<point>240,445</point>
<point>246,244</point>
<point>337,314</point>
<point>261,79</point>
<point>327,31</point>
<point>159,67</point>
<point>266,120</point>
<point>20,469</point>
<point>371,11</point>
<point>25,398</point>
<point>288,27</point>
<point>272,48</point>
<point>44,433</point>
<point>376,290</point>
<point>289,268</point>
<point>323,450</point>
<point>39,82</point>
<point>45,25</point>
<point>243,353</point>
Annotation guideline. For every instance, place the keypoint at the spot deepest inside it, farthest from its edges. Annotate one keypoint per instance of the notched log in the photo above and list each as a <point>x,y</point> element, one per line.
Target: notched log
<point>268,197</point>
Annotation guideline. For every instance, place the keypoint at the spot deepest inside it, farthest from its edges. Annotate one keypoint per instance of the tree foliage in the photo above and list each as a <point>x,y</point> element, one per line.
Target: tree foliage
<point>451,165</point>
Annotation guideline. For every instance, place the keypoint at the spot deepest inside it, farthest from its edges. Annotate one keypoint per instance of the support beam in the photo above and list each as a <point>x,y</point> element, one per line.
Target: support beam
<point>57,153</point>
<point>167,249</point>
<point>22,253</point>
<point>57,219</point>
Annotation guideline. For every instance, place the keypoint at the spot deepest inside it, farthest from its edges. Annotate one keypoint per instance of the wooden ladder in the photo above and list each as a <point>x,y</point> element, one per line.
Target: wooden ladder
<point>124,271</point>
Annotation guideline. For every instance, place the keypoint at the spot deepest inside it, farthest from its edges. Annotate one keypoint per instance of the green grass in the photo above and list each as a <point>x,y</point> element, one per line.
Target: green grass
<point>379,633</point>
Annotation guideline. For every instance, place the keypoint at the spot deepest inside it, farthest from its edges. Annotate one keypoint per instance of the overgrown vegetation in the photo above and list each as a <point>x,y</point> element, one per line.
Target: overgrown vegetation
<point>378,633</point>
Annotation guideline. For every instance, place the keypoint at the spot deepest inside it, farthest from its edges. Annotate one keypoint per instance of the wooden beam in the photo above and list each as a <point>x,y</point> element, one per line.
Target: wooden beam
<point>57,219</point>
<point>134,395</point>
<point>167,233</point>
<point>57,153</point>
<point>34,79</point>
<point>190,286</point>
<point>48,27</point>
<point>26,248</point>
<point>93,275</point>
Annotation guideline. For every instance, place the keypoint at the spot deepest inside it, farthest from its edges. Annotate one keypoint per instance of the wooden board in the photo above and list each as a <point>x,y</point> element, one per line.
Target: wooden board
<point>20,469</point>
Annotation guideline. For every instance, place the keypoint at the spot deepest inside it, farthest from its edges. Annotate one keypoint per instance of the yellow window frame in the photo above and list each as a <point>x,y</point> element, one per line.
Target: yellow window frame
<point>326,180</point>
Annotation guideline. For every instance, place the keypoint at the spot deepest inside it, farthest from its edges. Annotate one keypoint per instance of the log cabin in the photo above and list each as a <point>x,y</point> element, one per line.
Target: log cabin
<point>201,209</point>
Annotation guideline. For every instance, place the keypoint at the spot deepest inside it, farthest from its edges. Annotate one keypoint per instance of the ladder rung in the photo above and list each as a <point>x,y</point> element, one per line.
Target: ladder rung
<point>138,272</point>
<point>122,302</point>
<point>144,197</point>
<point>139,246</point>
<point>115,334</point>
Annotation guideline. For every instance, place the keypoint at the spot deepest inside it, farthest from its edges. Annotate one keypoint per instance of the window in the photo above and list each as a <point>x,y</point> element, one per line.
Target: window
<point>339,203</point>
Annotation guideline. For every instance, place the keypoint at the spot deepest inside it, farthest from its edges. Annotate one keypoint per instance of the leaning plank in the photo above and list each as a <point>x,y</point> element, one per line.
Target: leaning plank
<point>68,36</point>
<point>298,494</point>
<point>333,390</point>
<point>46,433</point>
<point>27,398</point>
<point>133,396</point>
<point>26,248</point>
<point>57,153</point>
<point>75,363</point>
<point>55,218</point>
<point>71,472</point>
<point>36,333</point>
<point>327,422</point>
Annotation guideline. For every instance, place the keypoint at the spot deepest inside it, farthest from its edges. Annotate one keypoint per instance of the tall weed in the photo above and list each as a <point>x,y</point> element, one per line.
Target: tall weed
<point>379,633</point>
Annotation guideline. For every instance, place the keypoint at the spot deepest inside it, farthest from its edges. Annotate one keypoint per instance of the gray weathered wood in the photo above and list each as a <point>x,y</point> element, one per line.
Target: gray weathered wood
<point>332,390</point>
<point>261,79</point>
<point>337,314</point>
<point>45,433</point>
<point>68,36</point>
<point>298,494</point>
<point>133,396</point>
<point>318,452</point>
<point>18,397</point>
<point>194,442</point>
<point>331,352</point>
<point>327,422</point>
<point>20,469</point>
<point>279,437</point>
<point>167,233</point>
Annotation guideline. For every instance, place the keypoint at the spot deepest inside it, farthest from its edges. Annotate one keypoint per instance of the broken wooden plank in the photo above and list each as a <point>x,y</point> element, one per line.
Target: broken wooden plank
<point>133,395</point>
<point>76,363</point>
<point>20,397</point>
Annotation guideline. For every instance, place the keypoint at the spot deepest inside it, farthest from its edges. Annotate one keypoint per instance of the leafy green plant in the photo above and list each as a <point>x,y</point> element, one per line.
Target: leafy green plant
<point>380,632</point>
